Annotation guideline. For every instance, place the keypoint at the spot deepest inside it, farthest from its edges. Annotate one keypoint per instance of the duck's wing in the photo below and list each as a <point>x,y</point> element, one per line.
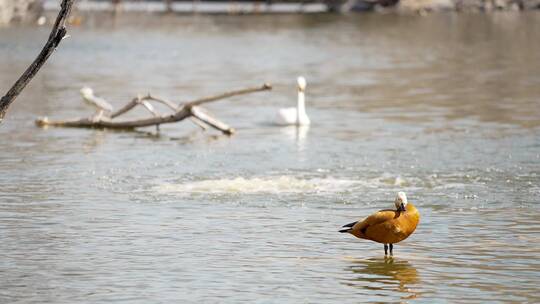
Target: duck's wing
<point>377,218</point>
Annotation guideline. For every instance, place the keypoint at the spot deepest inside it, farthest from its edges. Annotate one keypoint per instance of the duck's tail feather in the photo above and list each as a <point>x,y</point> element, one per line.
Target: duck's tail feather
<point>347,227</point>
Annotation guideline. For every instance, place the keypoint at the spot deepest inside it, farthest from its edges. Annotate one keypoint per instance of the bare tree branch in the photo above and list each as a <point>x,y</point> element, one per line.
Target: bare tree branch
<point>188,110</point>
<point>201,101</point>
<point>58,33</point>
<point>211,121</point>
<point>199,123</point>
<point>130,105</point>
<point>166,102</point>
<point>105,123</point>
<point>150,108</point>
<point>137,100</point>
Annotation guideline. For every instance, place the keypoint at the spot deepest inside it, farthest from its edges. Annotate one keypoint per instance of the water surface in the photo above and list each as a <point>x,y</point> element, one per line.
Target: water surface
<point>445,107</point>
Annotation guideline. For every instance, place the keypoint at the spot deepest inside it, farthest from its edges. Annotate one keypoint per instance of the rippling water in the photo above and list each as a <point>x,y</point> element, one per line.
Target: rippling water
<point>445,107</point>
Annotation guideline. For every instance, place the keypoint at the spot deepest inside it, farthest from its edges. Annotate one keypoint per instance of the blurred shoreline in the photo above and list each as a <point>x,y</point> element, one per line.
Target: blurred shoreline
<point>301,6</point>
<point>40,11</point>
<point>204,7</point>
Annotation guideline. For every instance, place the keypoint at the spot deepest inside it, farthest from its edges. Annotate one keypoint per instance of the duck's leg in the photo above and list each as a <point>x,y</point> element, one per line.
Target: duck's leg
<point>391,248</point>
<point>386,249</point>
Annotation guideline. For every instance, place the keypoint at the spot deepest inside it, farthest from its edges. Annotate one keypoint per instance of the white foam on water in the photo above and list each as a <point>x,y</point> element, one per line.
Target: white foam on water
<point>292,184</point>
<point>278,184</point>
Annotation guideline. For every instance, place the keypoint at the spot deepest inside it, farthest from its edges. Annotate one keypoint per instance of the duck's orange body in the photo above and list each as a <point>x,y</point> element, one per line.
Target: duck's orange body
<point>387,226</point>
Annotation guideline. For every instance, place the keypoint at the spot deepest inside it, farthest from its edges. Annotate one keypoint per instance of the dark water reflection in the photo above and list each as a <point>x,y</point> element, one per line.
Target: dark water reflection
<point>444,107</point>
<point>375,276</point>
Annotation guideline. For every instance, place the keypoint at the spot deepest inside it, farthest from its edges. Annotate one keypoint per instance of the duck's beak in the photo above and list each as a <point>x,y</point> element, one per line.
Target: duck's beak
<point>402,207</point>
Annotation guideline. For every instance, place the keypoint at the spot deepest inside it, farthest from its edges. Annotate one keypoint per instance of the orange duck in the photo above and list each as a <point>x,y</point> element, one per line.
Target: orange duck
<point>387,226</point>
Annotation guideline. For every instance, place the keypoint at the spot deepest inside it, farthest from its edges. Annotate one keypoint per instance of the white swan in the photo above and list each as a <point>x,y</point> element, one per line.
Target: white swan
<point>103,108</point>
<point>295,116</point>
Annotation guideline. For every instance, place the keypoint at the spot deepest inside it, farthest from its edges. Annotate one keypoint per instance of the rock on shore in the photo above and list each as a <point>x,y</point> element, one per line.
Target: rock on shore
<point>468,5</point>
<point>406,6</point>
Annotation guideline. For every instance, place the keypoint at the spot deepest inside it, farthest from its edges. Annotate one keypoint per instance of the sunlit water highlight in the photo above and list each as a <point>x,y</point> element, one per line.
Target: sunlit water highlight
<point>446,108</point>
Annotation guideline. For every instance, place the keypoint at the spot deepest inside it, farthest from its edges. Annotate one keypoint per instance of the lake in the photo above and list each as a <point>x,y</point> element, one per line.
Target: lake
<point>444,107</point>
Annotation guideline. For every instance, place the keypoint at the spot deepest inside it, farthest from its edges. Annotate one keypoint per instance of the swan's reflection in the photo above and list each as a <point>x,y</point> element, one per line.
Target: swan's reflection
<point>298,134</point>
<point>384,274</point>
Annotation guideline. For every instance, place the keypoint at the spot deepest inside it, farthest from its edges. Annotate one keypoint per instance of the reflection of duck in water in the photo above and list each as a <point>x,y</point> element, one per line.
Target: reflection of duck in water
<point>387,226</point>
<point>383,274</point>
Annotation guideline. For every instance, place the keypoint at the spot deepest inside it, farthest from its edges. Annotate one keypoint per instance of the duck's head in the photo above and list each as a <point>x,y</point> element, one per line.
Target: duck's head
<point>86,91</point>
<point>401,201</point>
<point>301,83</point>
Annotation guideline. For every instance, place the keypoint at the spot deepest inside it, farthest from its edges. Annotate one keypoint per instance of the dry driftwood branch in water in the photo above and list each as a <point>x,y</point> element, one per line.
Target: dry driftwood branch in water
<point>57,34</point>
<point>203,116</point>
<point>190,109</point>
<point>171,105</point>
<point>142,100</point>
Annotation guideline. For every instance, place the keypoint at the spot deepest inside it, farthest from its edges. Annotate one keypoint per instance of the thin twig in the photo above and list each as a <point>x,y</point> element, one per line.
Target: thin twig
<point>166,102</point>
<point>201,101</point>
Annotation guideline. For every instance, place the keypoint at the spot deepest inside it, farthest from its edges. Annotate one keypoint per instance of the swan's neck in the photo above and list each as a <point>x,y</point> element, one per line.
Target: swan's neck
<point>301,106</point>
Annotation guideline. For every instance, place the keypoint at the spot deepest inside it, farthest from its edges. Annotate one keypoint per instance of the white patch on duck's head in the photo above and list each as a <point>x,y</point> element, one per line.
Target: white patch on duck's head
<point>86,91</point>
<point>401,201</point>
<point>301,83</point>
